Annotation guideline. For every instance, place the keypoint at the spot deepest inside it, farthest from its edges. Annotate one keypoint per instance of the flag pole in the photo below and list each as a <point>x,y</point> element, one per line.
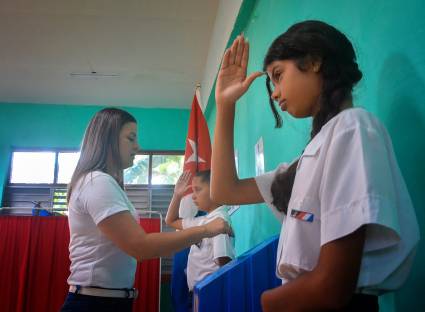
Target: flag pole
<point>197,94</point>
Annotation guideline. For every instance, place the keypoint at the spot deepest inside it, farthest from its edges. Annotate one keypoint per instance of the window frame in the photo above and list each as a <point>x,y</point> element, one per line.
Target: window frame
<point>35,150</point>
<point>150,153</point>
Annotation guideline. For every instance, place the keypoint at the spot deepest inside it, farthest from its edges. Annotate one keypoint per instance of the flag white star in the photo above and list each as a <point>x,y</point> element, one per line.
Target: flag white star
<point>194,157</point>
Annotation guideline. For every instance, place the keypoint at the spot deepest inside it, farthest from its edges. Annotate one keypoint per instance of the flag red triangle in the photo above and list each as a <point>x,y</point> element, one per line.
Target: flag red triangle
<point>198,144</point>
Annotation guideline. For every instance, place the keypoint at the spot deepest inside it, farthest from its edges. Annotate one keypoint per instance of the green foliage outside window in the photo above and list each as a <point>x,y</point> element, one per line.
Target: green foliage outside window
<point>139,173</point>
<point>166,169</point>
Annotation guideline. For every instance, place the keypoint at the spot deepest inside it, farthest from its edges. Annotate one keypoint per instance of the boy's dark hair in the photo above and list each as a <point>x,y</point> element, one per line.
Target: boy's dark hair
<point>205,175</point>
<point>305,42</point>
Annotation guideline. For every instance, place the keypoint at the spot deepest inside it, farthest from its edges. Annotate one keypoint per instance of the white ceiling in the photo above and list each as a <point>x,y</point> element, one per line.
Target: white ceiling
<point>158,48</point>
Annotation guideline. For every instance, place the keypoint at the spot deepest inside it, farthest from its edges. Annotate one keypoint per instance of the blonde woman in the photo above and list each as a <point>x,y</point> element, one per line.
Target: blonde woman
<point>106,240</point>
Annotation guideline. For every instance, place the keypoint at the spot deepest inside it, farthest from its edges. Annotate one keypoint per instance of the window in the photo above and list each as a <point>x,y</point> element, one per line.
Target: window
<point>166,169</point>
<point>57,167</point>
<point>33,167</point>
<point>42,176</point>
<point>139,173</point>
<point>67,161</point>
<point>59,199</point>
<point>155,169</point>
<point>43,167</point>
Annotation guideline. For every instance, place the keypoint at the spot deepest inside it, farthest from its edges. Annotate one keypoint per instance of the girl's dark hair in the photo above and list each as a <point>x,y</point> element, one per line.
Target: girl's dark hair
<point>306,42</point>
<point>100,147</point>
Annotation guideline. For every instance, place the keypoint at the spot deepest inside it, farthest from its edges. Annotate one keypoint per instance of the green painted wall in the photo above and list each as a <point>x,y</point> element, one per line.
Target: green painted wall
<point>63,126</point>
<point>390,43</point>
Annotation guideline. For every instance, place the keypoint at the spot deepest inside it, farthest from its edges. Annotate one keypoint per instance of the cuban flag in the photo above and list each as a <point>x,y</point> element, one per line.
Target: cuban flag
<point>302,215</point>
<point>197,155</point>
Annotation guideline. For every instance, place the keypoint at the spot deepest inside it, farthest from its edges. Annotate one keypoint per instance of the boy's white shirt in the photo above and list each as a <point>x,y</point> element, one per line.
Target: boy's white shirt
<point>348,177</point>
<point>201,258</point>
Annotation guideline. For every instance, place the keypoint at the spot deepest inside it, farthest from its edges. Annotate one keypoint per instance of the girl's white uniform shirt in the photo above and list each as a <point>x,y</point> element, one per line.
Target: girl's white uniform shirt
<point>95,260</point>
<point>200,262</point>
<point>348,177</point>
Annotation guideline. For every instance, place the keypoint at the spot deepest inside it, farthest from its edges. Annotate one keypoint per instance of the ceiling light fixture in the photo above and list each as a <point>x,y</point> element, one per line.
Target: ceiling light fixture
<point>94,75</point>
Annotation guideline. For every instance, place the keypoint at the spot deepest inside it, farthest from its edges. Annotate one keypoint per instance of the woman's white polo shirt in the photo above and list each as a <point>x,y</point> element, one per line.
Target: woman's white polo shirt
<point>96,260</point>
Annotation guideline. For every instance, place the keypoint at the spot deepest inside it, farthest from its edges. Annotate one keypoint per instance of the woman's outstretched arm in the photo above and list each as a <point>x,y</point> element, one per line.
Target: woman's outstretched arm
<point>126,234</point>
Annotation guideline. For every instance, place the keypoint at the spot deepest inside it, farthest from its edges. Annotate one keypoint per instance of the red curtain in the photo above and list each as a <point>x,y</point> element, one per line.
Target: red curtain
<point>147,275</point>
<point>34,265</point>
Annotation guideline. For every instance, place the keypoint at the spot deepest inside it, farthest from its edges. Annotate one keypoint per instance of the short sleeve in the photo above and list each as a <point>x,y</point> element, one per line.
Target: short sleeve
<point>191,222</point>
<point>264,184</point>
<point>222,246</point>
<point>358,188</point>
<point>102,197</point>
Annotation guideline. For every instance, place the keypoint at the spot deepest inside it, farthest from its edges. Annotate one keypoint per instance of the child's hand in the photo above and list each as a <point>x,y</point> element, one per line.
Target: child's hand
<point>232,81</point>
<point>218,226</point>
<point>182,184</point>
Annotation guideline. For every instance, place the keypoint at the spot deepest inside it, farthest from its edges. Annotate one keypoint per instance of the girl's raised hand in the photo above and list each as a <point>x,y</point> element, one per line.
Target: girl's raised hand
<point>232,81</point>
<point>182,184</point>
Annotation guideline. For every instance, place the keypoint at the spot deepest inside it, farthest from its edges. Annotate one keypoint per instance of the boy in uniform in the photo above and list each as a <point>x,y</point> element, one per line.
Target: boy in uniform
<point>209,254</point>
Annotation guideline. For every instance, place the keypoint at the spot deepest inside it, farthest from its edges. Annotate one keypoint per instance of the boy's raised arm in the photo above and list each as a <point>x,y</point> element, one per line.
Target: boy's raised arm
<point>172,219</point>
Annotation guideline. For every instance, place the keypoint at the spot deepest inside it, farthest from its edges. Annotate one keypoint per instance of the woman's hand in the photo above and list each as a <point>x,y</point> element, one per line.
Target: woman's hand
<point>232,81</point>
<point>218,226</point>
<point>182,184</point>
